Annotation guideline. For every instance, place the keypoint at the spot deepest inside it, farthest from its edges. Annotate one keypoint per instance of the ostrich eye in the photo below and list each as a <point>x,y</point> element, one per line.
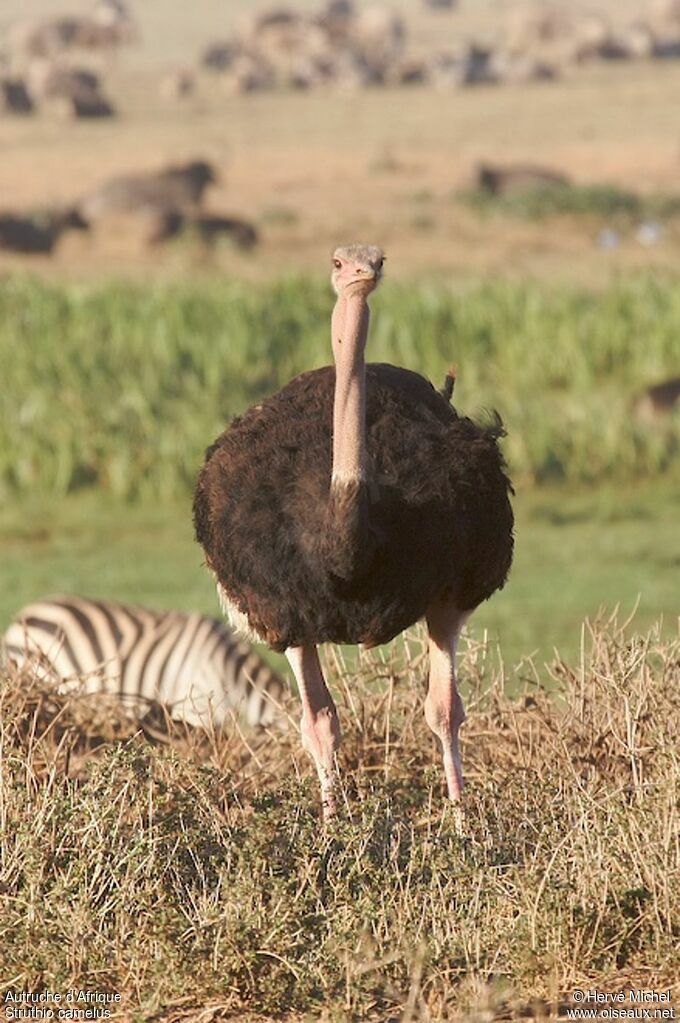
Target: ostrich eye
<point>380,264</point>
<point>337,264</point>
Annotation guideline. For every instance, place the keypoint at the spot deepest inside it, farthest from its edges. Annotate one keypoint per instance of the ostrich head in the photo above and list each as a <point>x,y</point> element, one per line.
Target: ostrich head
<point>357,270</point>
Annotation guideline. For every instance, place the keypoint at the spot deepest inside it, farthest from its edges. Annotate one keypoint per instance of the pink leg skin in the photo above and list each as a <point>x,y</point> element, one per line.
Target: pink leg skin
<point>444,710</point>
<point>319,725</point>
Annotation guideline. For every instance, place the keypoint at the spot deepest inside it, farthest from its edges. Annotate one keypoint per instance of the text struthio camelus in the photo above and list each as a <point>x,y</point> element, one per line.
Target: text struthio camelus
<point>348,506</point>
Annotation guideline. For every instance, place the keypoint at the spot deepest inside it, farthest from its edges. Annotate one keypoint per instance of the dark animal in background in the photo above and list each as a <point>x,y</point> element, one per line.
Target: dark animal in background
<point>347,507</point>
<point>657,402</point>
<point>190,664</point>
<point>208,228</point>
<point>476,66</point>
<point>15,97</point>
<point>220,56</point>
<point>176,188</point>
<point>498,180</point>
<point>38,233</point>
<point>189,181</point>
<point>50,79</point>
<point>84,104</point>
<point>211,228</point>
<point>69,91</point>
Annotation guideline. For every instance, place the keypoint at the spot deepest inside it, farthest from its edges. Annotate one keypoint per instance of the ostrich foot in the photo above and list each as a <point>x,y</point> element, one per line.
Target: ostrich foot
<point>321,738</point>
<point>319,726</point>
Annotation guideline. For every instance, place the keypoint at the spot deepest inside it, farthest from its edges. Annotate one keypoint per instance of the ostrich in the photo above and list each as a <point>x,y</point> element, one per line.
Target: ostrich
<point>348,506</point>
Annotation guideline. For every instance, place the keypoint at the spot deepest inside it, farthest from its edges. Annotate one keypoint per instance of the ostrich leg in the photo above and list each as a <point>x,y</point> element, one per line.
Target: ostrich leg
<point>444,710</point>
<point>319,725</point>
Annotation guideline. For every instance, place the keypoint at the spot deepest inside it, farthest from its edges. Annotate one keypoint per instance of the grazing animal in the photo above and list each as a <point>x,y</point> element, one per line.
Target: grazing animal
<point>348,506</point>
<point>190,664</point>
<point>658,401</point>
<point>178,187</point>
<point>83,104</point>
<point>38,234</point>
<point>15,97</point>
<point>69,91</point>
<point>208,228</point>
<point>221,55</point>
<point>512,179</point>
<point>49,79</point>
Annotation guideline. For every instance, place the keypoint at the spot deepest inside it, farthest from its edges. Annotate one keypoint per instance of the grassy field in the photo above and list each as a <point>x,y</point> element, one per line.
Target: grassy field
<point>193,881</point>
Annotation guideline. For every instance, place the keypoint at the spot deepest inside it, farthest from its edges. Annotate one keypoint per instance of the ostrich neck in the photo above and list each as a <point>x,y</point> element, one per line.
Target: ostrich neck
<point>349,332</point>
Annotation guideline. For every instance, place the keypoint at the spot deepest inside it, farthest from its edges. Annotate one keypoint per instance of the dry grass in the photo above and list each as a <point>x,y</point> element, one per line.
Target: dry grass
<point>192,875</point>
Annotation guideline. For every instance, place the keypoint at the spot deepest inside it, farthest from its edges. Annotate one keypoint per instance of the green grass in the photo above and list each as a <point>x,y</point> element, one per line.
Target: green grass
<point>576,552</point>
<point>122,387</point>
<point>195,880</point>
<point>604,202</point>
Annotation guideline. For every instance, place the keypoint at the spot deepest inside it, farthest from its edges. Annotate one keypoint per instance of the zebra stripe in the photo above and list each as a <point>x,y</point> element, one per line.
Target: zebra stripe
<point>192,664</point>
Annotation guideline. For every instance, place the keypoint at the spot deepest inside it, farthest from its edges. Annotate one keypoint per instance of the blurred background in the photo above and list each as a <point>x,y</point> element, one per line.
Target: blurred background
<point>173,177</point>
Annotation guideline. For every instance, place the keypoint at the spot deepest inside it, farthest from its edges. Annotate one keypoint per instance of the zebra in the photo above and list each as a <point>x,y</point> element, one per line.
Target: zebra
<point>191,664</point>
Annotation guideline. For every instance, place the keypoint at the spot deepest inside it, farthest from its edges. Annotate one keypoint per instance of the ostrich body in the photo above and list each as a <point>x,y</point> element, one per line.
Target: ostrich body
<point>348,506</point>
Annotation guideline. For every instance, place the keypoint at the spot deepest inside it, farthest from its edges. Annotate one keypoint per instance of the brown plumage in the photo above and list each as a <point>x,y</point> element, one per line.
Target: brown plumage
<point>348,506</point>
<point>362,562</point>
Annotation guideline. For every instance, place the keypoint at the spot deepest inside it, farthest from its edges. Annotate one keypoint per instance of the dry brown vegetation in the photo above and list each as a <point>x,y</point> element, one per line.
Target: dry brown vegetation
<point>191,874</point>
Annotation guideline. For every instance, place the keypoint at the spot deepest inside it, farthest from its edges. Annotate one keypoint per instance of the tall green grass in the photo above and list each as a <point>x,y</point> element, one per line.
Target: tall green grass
<point>122,386</point>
